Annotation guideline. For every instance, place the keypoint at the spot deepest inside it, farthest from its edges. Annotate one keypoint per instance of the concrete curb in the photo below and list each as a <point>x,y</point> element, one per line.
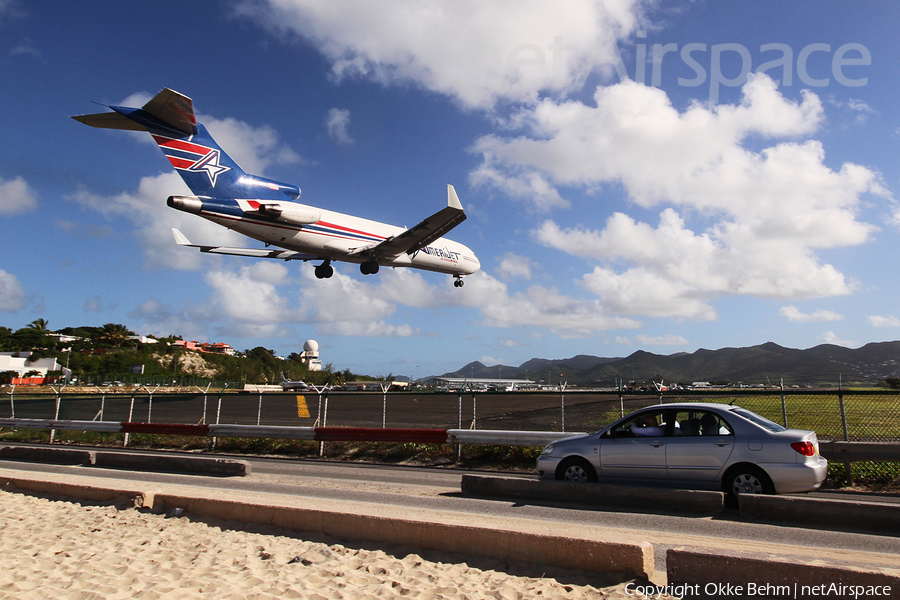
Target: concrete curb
<point>55,456</point>
<point>195,465</point>
<point>529,547</point>
<point>220,467</point>
<point>747,575</point>
<point>596,494</point>
<point>506,543</point>
<point>842,514</point>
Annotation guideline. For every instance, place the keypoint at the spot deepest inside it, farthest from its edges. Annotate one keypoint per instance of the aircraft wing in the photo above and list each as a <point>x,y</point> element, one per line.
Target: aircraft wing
<point>413,240</point>
<point>182,240</point>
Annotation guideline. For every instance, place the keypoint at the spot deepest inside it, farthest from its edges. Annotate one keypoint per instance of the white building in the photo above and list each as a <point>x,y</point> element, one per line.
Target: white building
<point>310,355</point>
<point>21,363</point>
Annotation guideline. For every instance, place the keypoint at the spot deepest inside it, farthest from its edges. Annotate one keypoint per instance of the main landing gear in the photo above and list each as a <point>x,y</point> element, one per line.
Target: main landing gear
<point>459,282</point>
<point>325,270</point>
<point>368,268</point>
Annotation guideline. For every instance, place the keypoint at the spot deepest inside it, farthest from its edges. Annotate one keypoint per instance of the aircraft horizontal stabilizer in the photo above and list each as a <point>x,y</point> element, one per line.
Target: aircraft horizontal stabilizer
<point>433,227</point>
<point>167,109</point>
<point>182,240</point>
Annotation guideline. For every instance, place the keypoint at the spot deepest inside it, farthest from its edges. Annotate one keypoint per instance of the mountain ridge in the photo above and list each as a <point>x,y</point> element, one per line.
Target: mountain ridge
<point>764,363</point>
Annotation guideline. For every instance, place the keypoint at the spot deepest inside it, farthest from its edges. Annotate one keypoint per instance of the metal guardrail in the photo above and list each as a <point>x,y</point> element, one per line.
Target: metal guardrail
<point>319,434</point>
<point>837,451</point>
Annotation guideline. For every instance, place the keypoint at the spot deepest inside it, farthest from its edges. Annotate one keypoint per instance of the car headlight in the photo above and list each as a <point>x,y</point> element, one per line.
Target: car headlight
<point>548,449</point>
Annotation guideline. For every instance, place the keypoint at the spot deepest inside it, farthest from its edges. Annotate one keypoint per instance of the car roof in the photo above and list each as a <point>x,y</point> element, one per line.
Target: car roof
<point>689,405</point>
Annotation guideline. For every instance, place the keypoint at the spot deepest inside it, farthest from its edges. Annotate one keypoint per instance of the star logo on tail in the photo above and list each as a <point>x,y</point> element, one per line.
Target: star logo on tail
<point>209,164</point>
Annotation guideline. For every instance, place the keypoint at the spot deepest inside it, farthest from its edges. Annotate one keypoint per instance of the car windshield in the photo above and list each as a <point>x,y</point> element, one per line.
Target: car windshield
<point>759,420</point>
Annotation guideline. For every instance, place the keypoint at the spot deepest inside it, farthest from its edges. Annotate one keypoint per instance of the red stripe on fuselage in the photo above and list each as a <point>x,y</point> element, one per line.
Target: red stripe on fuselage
<point>349,230</point>
<point>294,227</point>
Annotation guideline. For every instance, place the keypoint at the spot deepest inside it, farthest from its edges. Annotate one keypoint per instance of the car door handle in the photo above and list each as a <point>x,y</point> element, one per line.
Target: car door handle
<point>722,443</point>
<point>656,443</point>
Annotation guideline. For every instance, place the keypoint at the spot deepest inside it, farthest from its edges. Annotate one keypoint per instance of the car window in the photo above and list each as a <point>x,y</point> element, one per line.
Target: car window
<point>645,424</point>
<point>759,420</point>
<point>700,422</point>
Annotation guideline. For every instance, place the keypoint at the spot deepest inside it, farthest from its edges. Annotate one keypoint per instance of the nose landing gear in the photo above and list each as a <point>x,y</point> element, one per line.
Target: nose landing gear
<point>459,282</point>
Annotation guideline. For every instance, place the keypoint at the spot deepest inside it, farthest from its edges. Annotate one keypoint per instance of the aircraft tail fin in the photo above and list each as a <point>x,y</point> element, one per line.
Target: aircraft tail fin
<point>202,163</point>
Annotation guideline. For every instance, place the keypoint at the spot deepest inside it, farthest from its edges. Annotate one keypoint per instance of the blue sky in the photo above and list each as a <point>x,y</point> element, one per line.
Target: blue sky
<point>632,181</point>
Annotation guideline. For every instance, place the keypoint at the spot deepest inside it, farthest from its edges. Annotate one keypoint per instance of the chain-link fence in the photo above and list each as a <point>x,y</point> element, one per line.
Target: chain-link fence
<point>872,416</point>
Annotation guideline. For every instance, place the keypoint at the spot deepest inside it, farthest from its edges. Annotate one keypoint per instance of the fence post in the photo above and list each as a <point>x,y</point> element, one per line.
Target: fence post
<point>103,402</point>
<point>384,390</point>
<point>848,466</point>
<point>150,402</point>
<point>204,392</point>
<point>56,412</point>
<point>215,440</point>
<point>130,415</point>
<point>12,402</point>
<point>621,398</point>
<point>259,410</point>
<point>783,404</point>
<point>474,413</point>
<point>457,448</point>
<point>562,404</point>
<point>324,417</point>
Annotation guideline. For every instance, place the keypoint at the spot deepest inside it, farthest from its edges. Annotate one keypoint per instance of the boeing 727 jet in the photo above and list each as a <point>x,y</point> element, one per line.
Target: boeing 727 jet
<point>267,211</point>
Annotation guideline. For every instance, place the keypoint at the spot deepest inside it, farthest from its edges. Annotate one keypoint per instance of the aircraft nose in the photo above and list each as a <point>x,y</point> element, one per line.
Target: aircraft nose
<point>473,263</point>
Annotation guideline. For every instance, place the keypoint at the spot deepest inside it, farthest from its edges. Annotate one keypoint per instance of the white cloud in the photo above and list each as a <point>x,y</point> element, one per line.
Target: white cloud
<point>765,212</point>
<point>878,321</point>
<point>829,337</point>
<point>16,197</point>
<point>539,306</point>
<point>794,315</point>
<point>477,52</point>
<point>338,122</point>
<point>153,221</point>
<point>367,329</point>
<point>662,340</point>
<point>160,319</point>
<point>12,296</point>
<point>247,298</point>
<point>514,266</point>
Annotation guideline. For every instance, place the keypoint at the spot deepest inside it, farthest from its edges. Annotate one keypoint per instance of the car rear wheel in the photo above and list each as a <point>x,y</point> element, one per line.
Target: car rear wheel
<point>747,479</point>
<point>576,469</point>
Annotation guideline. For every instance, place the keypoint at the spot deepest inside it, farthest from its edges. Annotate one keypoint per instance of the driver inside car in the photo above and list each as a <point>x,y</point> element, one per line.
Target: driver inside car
<point>647,426</point>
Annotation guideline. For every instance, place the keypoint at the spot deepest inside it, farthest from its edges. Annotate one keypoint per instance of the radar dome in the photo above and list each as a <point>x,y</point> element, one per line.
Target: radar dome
<point>311,346</point>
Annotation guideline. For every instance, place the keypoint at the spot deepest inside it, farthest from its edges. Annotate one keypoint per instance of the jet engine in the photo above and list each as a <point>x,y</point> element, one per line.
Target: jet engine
<point>295,214</point>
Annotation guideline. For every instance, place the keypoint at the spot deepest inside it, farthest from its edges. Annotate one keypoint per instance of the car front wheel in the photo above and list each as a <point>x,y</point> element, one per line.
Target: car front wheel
<point>576,469</point>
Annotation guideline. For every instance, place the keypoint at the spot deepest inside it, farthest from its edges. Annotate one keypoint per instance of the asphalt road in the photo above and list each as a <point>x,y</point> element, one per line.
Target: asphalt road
<point>439,489</point>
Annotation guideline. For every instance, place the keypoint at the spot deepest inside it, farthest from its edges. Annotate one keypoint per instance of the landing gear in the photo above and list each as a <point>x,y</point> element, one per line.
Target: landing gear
<point>368,267</point>
<point>459,282</point>
<point>325,270</point>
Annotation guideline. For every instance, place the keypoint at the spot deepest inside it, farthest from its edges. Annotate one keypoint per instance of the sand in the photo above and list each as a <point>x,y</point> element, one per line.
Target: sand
<point>65,549</point>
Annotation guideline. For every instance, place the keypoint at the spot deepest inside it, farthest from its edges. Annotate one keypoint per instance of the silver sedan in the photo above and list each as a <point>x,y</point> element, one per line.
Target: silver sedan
<point>692,445</point>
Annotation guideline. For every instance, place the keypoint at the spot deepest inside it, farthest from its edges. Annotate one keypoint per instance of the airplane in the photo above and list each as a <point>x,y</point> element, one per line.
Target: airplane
<point>267,211</point>
<point>288,385</point>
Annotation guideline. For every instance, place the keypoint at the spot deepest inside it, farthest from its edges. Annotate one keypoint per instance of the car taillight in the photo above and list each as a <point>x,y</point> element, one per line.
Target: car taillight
<point>804,448</point>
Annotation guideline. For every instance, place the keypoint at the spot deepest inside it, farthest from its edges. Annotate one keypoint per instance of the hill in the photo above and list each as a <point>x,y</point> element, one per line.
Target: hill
<point>826,364</point>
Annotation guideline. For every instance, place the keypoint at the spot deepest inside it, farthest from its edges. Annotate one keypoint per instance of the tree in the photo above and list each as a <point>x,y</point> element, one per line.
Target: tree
<point>39,325</point>
<point>5,339</point>
<point>113,334</point>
